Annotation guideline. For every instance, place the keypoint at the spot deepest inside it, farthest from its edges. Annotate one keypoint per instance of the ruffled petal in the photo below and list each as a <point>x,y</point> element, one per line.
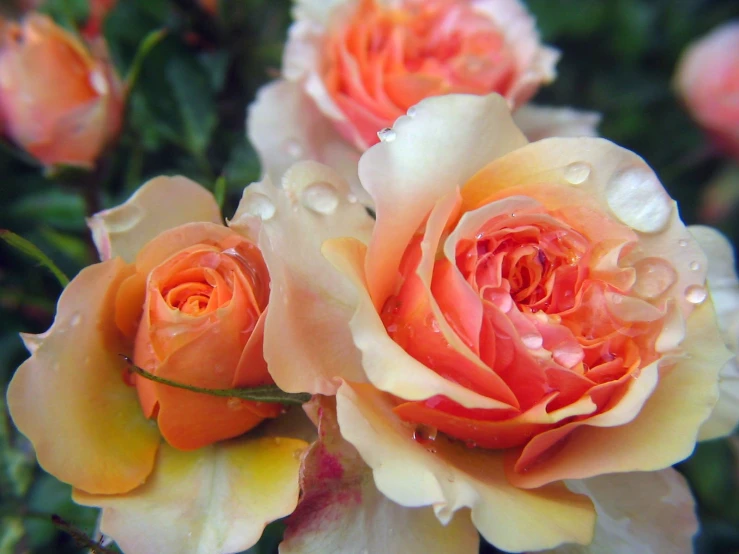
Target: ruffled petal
<point>540,122</point>
<point>214,500</point>
<point>406,175</point>
<point>638,513</point>
<point>160,204</point>
<point>70,399</point>
<point>449,476</point>
<point>341,510</point>
<point>307,342</point>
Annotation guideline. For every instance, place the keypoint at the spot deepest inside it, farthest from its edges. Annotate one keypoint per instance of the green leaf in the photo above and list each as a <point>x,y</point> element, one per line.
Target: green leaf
<point>32,251</point>
<point>269,393</point>
<point>11,533</point>
<point>56,208</point>
<point>16,468</point>
<point>219,190</point>
<point>145,48</point>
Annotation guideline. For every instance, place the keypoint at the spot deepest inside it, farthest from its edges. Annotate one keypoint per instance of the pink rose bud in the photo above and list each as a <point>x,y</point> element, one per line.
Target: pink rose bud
<point>708,81</point>
<point>59,100</point>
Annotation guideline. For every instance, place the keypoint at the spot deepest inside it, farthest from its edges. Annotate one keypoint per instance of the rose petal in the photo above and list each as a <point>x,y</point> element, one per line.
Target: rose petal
<point>341,510</point>
<point>214,500</point>
<point>663,432</point>
<point>307,342</point>
<point>724,287</point>
<point>158,205</point>
<point>449,476</point>
<point>285,126</point>
<point>638,513</point>
<point>407,175</point>
<point>539,122</point>
<point>72,402</point>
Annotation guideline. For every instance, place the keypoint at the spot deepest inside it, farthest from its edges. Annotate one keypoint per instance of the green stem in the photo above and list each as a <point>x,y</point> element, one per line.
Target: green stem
<point>267,394</point>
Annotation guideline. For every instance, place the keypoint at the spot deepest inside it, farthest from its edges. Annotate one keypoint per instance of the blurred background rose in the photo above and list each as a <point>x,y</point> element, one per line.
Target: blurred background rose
<point>186,116</point>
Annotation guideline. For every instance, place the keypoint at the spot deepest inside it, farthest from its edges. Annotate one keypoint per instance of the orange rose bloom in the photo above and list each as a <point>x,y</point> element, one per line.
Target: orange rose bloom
<point>59,100</point>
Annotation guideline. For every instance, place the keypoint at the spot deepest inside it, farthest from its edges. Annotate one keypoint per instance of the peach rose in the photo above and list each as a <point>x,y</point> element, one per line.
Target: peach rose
<point>351,67</point>
<point>533,325</point>
<point>707,79</point>
<point>186,297</point>
<point>59,100</point>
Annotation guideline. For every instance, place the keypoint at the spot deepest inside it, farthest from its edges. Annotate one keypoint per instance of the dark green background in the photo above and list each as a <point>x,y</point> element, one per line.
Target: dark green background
<point>186,116</point>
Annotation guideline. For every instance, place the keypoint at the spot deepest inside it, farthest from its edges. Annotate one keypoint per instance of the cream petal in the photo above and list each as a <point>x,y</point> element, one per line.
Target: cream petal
<point>307,341</point>
<point>341,510</point>
<point>446,141</point>
<point>449,476</point>
<point>285,126</point>
<point>69,398</point>
<point>158,205</point>
<point>665,429</point>
<point>724,287</point>
<point>540,122</point>
<point>214,500</point>
<point>385,363</point>
<point>638,513</point>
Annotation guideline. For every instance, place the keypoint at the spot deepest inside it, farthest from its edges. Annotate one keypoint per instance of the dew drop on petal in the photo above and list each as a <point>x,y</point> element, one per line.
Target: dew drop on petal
<point>351,198</point>
<point>387,134</point>
<point>638,199</point>
<point>412,111</point>
<point>568,354</point>
<point>259,205</point>
<point>293,148</point>
<point>682,242</point>
<point>653,277</point>
<point>696,294</point>
<point>320,197</point>
<point>695,266</point>
<point>234,404</point>
<point>424,434</point>
<point>577,173</point>
<point>532,341</point>
<point>98,82</point>
<point>75,320</point>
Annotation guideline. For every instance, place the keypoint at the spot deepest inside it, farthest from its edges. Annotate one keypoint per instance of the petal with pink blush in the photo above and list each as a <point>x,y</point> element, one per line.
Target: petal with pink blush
<point>341,510</point>
<point>406,175</point>
<point>158,205</point>
<point>307,342</point>
<point>450,477</point>
<point>540,122</point>
<point>214,500</point>
<point>638,513</point>
<point>285,126</point>
<point>91,432</point>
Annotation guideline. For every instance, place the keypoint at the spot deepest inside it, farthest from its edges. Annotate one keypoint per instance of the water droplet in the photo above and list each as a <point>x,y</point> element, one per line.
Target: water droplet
<point>234,404</point>
<point>278,441</point>
<point>638,199</point>
<point>75,320</point>
<point>412,111</point>
<point>293,148</point>
<point>298,453</point>
<point>320,197</point>
<point>568,354</point>
<point>532,341</point>
<point>682,242</point>
<point>470,444</point>
<point>98,82</point>
<point>653,277</point>
<point>387,135</point>
<point>351,198</point>
<point>259,205</point>
<point>450,478</point>
<point>577,173</point>
<point>695,266</point>
<point>695,294</point>
<point>424,434</point>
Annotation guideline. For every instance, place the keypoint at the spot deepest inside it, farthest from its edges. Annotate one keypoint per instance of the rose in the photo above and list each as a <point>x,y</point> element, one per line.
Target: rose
<point>707,79</point>
<point>526,315</point>
<point>186,297</point>
<point>59,100</point>
<point>352,67</point>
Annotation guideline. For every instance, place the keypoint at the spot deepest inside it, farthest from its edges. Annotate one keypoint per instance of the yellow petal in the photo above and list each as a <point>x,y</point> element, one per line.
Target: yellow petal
<point>449,476</point>
<point>69,397</point>
<point>214,500</point>
<point>158,205</point>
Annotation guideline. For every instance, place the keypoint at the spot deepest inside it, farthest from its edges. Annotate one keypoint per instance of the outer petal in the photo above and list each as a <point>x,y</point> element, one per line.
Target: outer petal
<point>665,430</point>
<point>724,287</point>
<point>406,175</point>
<point>539,122</point>
<point>341,510</point>
<point>638,513</point>
<point>69,397</point>
<point>214,500</point>
<point>158,205</point>
<point>285,126</point>
<point>307,341</point>
<point>450,476</point>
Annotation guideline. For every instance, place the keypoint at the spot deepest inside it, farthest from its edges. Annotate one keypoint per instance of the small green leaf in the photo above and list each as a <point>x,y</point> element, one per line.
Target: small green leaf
<point>32,251</point>
<point>219,190</point>
<point>268,394</point>
<point>146,46</point>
